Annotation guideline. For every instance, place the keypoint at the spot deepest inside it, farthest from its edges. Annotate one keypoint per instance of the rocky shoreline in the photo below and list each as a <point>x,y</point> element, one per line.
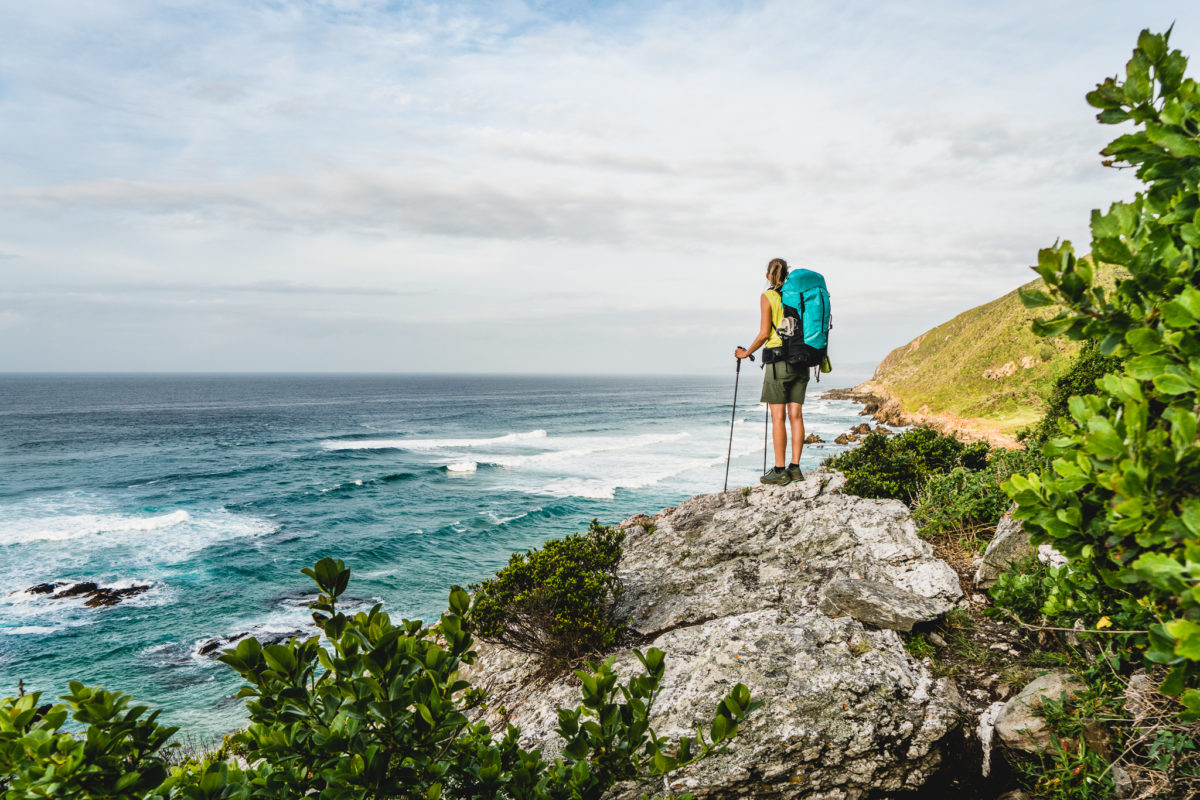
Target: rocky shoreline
<point>883,406</point>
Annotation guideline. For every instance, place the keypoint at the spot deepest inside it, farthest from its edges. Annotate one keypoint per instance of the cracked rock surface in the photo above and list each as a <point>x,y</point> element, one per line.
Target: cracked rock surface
<point>729,586</point>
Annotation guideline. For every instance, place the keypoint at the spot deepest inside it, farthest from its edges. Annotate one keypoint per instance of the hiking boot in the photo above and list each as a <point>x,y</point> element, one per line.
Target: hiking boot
<point>773,478</point>
<point>795,473</point>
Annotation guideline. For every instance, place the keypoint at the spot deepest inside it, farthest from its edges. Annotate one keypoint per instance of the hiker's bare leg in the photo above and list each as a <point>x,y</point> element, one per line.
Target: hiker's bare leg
<point>796,416</point>
<point>779,430</point>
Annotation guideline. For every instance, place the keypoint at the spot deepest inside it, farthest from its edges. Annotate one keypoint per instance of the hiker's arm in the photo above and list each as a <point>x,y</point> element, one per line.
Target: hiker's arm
<point>764,329</point>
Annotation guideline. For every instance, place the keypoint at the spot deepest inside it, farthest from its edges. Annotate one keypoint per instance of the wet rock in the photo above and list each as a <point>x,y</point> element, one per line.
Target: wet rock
<point>862,429</point>
<point>1018,724</point>
<point>812,438</point>
<point>844,439</point>
<point>44,588</point>
<point>848,712</point>
<point>883,431</point>
<point>76,590</point>
<point>213,648</point>
<point>110,597</point>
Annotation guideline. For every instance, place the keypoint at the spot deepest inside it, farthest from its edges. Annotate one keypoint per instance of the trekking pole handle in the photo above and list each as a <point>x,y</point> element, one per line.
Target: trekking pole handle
<point>749,356</point>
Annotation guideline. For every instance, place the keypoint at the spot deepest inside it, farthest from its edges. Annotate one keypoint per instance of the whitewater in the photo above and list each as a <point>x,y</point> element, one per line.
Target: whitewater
<point>214,491</point>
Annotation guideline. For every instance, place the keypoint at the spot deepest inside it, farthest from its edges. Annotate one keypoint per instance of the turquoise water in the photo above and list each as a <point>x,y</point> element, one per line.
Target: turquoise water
<point>216,490</point>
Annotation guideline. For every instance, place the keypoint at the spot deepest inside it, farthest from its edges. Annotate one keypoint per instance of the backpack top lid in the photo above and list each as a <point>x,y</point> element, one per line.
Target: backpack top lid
<point>801,281</point>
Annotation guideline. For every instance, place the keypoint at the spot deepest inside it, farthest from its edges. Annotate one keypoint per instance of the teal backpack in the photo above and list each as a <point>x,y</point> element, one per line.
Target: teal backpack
<point>807,319</point>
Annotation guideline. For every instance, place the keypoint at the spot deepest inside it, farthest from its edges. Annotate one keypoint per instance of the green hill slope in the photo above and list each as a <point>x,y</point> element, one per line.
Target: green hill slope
<point>985,364</point>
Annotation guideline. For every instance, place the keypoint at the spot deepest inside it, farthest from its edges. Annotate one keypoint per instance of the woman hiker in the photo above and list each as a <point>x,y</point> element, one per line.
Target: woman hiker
<point>784,385</point>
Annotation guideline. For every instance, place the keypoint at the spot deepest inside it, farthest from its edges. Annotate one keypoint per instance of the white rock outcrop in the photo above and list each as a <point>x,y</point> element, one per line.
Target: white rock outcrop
<point>730,587</point>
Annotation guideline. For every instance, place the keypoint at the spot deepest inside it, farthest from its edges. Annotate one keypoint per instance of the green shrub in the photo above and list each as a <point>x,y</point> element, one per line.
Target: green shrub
<point>961,502</point>
<point>898,466</point>
<point>557,601</point>
<point>967,503</point>
<point>1121,499</point>
<point>121,755</point>
<point>1080,379</point>
<point>376,710</point>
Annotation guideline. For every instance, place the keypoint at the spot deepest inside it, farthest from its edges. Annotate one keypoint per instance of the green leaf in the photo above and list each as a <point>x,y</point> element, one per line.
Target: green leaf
<point>1106,95</point>
<point>1178,144</point>
<point>460,601</point>
<point>1187,636</point>
<point>1137,79</point>
<point>1170,71</point>
<point>1173,684</point>
<point>1190,515</point>
<point>1145,340</point>
<point>1153,45</point>
<point>720,725</point>
<point>1178,315</point>
<point>1146,368</point>
<point>1035,298</point>
<point>1190,700</point>
<point>1173,384</point>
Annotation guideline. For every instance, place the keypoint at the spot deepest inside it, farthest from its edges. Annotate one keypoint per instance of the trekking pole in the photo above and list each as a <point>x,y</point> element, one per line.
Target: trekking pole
<point>733,416</point>
<point>766,422</point>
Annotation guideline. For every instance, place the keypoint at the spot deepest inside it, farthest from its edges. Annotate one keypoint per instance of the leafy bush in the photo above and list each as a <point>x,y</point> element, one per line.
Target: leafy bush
<point>1121,499</point>
<point>376,711</point>
<point>898,466</point>
<point>556,602</point>
<point>962,502</point>
<point>120,756</point>
<point>1088,367</point>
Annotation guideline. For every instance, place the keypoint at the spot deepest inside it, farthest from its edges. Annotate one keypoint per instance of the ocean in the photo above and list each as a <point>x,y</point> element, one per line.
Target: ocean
<point>215,490</point>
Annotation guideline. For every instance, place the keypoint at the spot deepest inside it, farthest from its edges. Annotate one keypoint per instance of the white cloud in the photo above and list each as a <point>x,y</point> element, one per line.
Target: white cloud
<point>504,163</point>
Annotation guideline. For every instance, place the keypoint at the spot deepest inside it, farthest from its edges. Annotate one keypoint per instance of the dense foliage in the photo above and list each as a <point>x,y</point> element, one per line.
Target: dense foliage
<point>1121,499</point>
<point>557,601</point>
<point>898,466</point>
<point>375,710</point>
<point>966,502</point>
<point>1088,366</point>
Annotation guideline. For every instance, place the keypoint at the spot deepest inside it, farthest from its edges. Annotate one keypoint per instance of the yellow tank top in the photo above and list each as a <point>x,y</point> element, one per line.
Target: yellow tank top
<point>776,317</point>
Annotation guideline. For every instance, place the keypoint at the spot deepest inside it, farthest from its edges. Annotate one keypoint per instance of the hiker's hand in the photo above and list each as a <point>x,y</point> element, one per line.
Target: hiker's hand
<point>741,353</point>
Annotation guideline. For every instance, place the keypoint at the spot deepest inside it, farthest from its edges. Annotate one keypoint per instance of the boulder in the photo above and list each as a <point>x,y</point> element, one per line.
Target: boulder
<point>880,604</point>
<point>812,438</point>
<point>1018,724</point>
<point>1008,546</point>
<point>845,438</point>
<point>730,586</point>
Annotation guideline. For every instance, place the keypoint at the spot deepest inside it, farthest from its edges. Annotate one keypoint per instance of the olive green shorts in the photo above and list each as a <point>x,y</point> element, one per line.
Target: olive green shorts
<point>784,383</point>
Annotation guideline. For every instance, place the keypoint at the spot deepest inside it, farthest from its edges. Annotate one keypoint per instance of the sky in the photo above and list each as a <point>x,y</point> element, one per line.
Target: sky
<point>531,187</point>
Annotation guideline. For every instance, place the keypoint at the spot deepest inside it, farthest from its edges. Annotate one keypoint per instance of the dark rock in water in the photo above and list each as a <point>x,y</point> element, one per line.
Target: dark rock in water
<point>843,439</point>
<point>862,429</point>
<point>812,438</point>
<point>76,590</point>
<point>110,597</point>
<point>213,647</point>
<point>210,647</point>
<point>96,595</point>
<point>884,431</point>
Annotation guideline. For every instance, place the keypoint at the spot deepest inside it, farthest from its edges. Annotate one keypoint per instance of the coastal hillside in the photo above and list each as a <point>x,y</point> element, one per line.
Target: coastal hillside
<point>983,371</point>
